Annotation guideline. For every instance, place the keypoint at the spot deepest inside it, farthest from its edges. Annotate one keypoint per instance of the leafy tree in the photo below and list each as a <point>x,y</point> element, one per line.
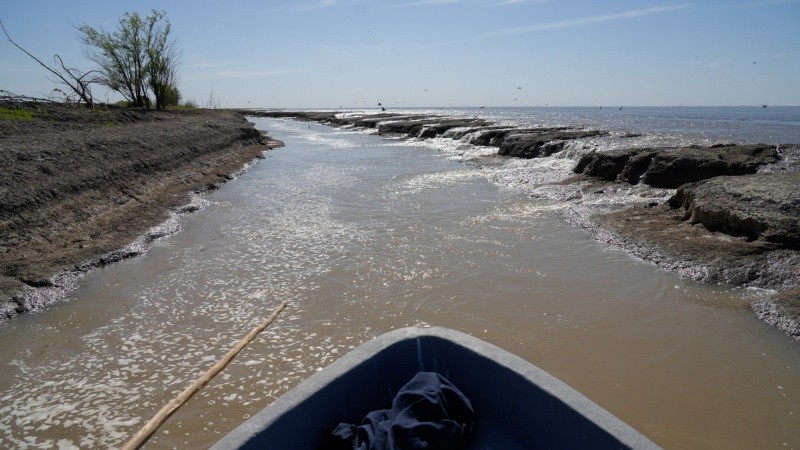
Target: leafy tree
<point>138,59</point>
<point>173,97</point>
<point>162,63</point>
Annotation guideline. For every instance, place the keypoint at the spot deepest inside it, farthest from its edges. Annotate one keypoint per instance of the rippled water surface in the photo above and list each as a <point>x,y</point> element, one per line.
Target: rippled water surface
<point>363,235</point>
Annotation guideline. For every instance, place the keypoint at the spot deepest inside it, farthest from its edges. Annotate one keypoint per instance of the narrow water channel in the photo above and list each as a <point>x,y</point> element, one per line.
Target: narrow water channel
<point>363,235</point>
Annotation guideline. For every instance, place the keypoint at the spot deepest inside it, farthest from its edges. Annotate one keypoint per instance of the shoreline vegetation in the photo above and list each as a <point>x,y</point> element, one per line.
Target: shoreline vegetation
<point>85,188</point>
<point>733,217</point>
<point>82,188</point>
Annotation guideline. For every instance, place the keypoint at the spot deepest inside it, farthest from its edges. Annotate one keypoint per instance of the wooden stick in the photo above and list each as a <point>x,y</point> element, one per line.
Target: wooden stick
<point>161,416</point>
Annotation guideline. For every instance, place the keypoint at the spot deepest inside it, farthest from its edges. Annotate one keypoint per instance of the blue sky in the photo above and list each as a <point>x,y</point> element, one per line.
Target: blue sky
<point>353,53</point>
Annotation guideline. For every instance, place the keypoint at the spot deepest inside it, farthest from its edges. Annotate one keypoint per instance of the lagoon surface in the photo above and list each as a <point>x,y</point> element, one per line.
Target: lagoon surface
<point>362,235</point>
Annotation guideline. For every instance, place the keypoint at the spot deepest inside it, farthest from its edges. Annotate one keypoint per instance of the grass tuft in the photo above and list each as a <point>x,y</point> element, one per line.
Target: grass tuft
<point>15,114</point>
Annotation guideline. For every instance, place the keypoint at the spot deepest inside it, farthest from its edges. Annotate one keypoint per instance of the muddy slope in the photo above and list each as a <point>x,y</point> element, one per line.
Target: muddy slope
<point>77,185</point>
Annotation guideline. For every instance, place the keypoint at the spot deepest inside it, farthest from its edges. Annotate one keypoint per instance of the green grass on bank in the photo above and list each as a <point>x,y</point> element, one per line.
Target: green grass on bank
<point>15,114</point>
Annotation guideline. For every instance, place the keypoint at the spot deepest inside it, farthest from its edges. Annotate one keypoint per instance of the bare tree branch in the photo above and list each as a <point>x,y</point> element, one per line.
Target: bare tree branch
<point>8,95</point>
<point>81,87</point>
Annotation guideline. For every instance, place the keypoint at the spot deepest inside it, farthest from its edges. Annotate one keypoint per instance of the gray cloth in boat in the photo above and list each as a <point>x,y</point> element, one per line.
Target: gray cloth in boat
<point>427,413</point>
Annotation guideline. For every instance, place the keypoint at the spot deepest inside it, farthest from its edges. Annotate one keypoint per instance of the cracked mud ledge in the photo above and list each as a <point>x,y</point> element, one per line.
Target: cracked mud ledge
<point>733,219</point>
<point>716,248</point>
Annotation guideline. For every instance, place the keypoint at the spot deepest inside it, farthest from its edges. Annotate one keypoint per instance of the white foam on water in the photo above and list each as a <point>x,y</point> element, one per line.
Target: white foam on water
<point>528,174</point>
<point>187,317</point>
<point>436,180</point>
<point>457,150</point>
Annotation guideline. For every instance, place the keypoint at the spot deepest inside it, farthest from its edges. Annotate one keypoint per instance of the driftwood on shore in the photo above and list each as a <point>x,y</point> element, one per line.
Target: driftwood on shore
<point>152,425</point>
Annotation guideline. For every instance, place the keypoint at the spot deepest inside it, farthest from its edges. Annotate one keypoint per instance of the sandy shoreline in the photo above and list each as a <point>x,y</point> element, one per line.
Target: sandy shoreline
<point>85,188</point>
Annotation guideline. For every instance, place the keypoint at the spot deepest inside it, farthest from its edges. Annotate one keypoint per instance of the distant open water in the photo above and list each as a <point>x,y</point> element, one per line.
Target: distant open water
<point>674,125</point>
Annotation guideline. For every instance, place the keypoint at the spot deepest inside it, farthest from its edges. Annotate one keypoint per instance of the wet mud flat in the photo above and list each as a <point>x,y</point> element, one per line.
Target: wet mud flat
<point>83,188</point>
<point>732,216</point>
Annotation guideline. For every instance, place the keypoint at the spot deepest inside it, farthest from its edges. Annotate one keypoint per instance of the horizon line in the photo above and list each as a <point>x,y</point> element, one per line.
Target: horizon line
<point>610,106</point>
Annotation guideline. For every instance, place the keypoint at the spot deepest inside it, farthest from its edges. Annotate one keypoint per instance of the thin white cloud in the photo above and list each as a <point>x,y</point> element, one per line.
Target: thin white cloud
<point>632,14</point>
<point>423,3</point>
<point>721,62</point>
<point>320,4</point>
<point>714,63</point>
<point>762,3</point>
<point>517,2</point>
<point>227,74</point>
<point>206,65</point>
<point>234,74</point>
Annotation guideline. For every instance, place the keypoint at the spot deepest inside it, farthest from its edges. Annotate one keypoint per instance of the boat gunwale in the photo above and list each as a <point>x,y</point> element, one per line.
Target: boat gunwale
<point>627,436</point>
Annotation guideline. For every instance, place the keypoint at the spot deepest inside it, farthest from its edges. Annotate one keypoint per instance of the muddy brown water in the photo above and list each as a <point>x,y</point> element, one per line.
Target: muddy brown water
<point>363,235</point>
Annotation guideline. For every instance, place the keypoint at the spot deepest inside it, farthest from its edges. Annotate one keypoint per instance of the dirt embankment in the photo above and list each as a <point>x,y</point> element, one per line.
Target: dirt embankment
<point>77,185</point>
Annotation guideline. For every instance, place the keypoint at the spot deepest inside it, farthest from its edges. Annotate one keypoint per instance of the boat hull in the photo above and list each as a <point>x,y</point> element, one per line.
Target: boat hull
<point>519,406</point>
